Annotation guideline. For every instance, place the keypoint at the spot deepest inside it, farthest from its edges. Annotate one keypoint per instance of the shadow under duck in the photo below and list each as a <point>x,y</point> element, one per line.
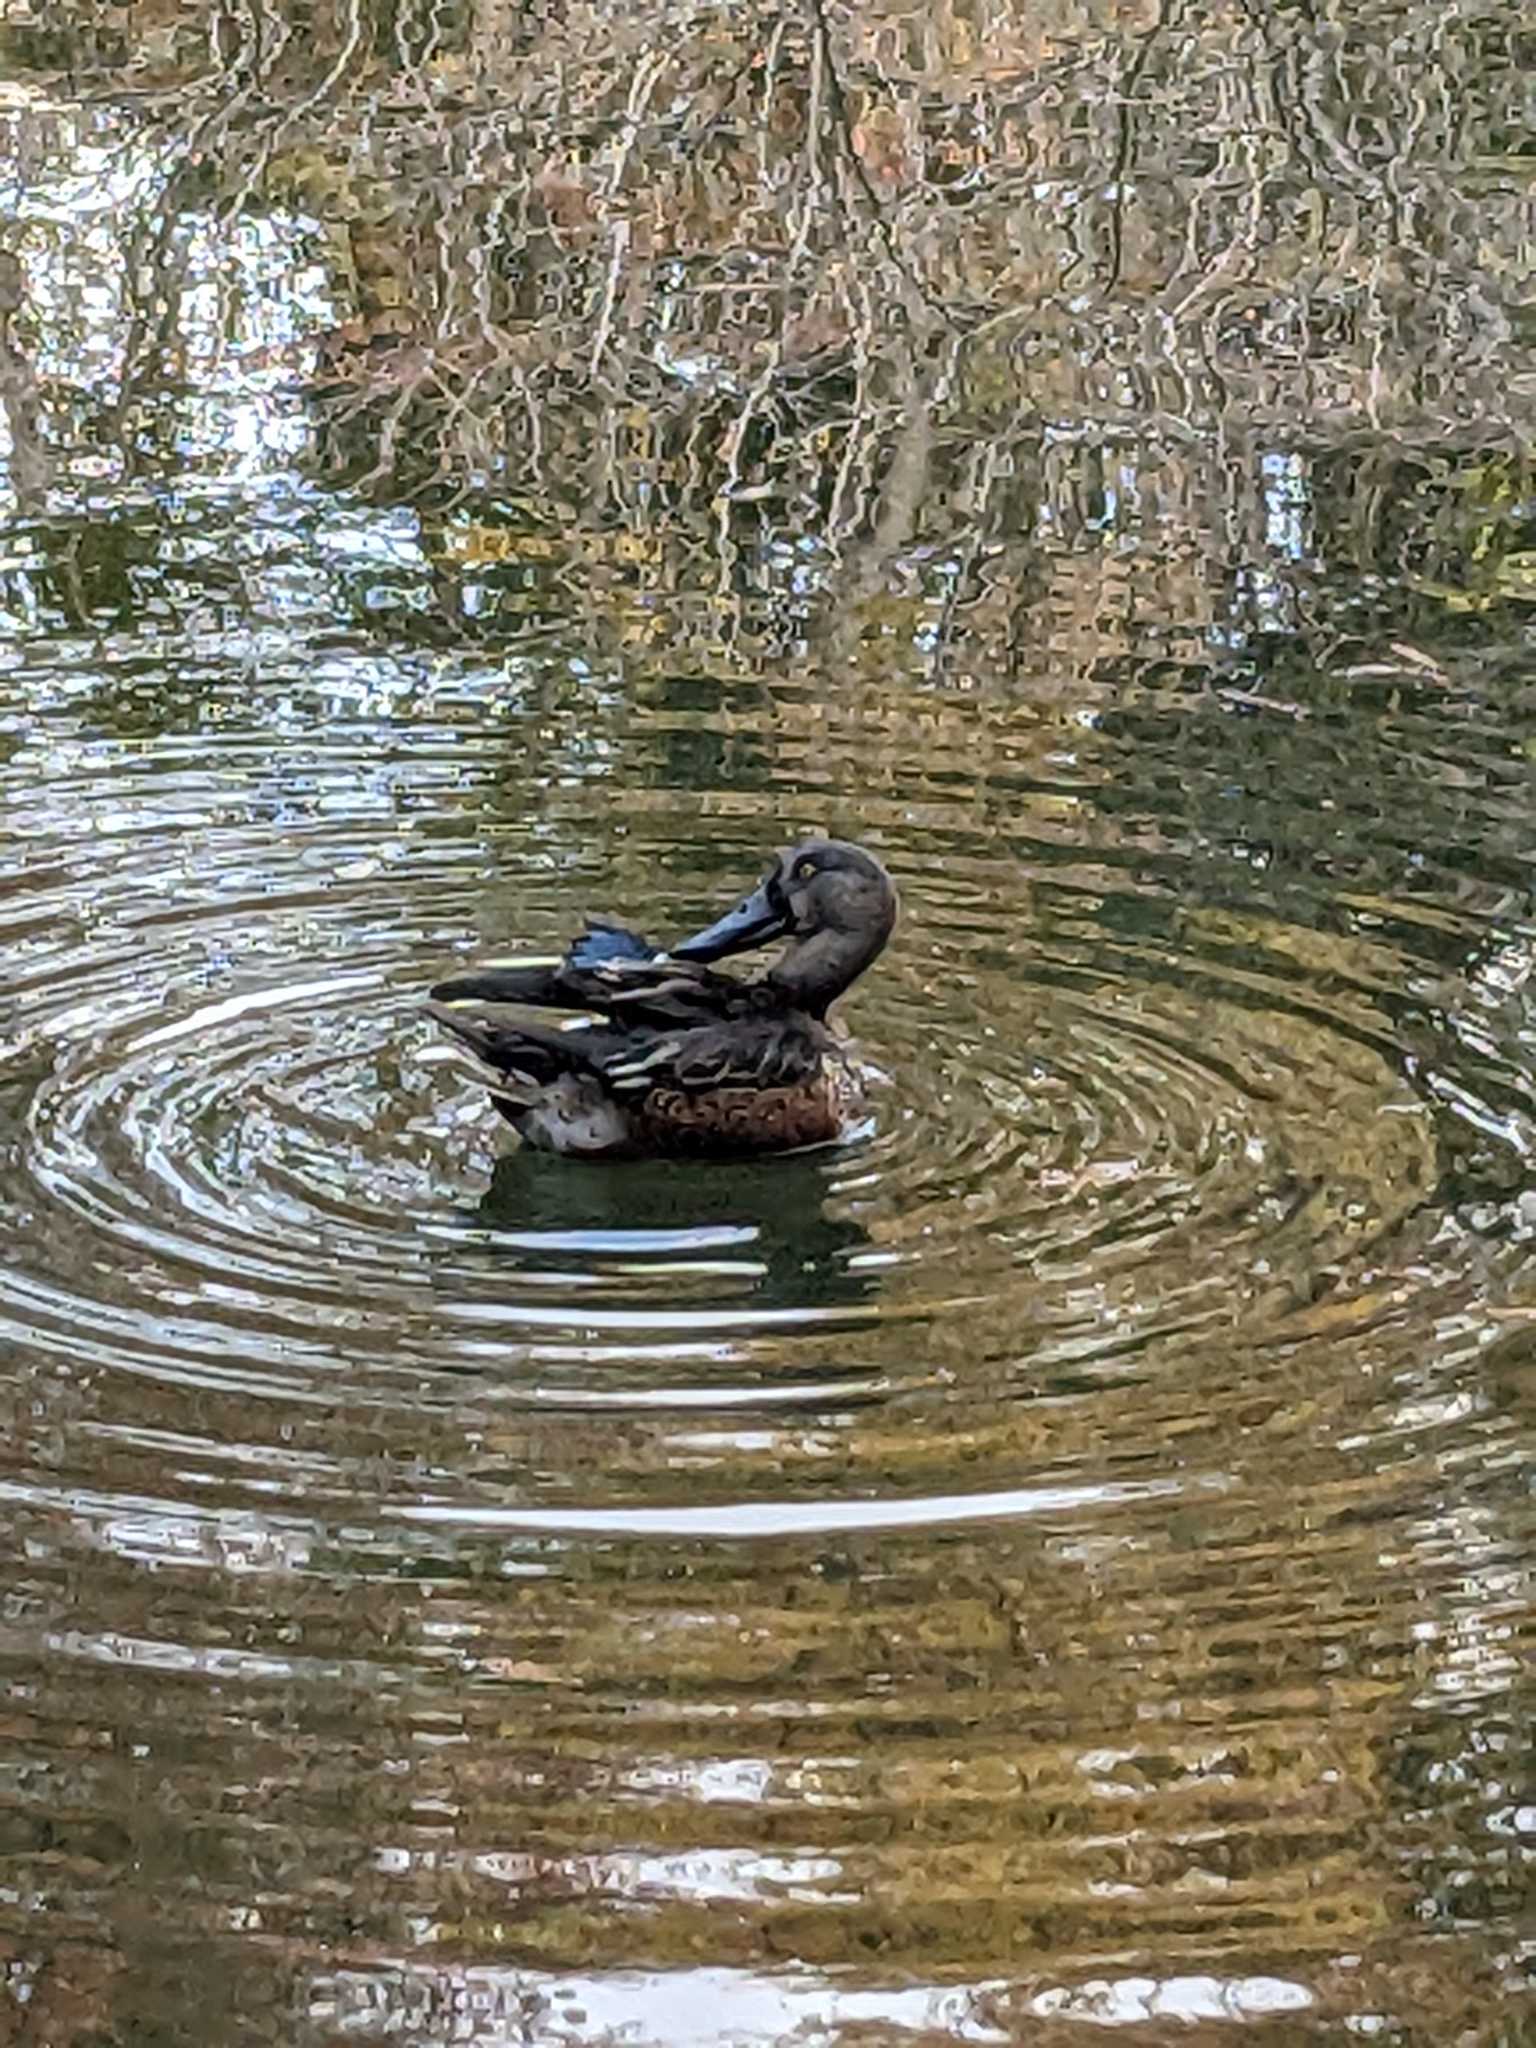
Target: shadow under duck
<point>675,1058</point>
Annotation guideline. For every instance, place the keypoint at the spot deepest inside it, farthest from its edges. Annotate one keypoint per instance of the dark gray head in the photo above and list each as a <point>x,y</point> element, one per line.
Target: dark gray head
<point>832,900</point>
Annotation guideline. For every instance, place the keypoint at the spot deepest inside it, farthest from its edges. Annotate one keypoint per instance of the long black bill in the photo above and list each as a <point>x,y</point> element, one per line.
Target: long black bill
<point>752,923</point>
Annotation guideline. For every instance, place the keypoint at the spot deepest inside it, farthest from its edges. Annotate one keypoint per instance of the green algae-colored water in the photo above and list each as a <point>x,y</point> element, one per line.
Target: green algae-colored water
<point>1059,1562</point>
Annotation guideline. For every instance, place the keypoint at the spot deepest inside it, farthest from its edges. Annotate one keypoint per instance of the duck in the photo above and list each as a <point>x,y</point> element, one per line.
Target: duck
<point>665,1056</point>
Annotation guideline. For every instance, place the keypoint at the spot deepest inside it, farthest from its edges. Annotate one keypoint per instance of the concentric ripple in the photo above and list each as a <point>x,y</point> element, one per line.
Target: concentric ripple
<point>1078,1146</point>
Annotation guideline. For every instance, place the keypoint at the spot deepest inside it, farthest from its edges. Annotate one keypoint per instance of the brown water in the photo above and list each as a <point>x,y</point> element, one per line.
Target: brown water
<point>1058,1562</point>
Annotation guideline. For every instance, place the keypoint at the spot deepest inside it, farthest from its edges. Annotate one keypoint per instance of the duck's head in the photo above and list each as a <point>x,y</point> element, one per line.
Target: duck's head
<point>833,901</point>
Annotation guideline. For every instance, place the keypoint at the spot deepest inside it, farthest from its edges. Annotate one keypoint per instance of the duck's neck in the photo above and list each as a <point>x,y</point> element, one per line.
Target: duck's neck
<point>815,971</point>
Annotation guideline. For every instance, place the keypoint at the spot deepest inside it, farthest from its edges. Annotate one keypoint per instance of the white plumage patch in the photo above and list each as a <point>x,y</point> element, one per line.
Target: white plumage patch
<point>630,1073</point>
<point>572,1116</point>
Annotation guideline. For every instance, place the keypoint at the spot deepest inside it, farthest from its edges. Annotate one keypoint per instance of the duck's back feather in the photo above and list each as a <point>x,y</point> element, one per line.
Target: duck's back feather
<point>750,1053</point>
<point>613,972</point>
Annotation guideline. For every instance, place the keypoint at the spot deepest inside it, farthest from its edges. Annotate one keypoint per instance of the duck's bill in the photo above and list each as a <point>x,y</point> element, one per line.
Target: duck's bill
<point>752,923</point>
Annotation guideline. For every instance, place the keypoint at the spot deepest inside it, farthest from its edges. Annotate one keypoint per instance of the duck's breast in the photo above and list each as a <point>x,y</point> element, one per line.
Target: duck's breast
<point>743,1119</point>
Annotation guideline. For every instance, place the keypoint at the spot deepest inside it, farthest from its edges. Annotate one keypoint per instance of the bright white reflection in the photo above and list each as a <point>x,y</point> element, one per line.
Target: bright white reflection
<point>1132,2001</point>
<point>692,2009</point>
<point>797,1517</point>
<point>702,2008</point>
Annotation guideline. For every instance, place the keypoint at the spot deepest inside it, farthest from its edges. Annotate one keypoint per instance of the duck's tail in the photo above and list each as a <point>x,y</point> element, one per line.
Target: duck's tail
<point>544,1082</point>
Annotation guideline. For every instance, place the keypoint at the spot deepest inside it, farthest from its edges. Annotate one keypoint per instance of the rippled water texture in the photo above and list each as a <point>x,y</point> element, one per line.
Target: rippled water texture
<point>1057,1562</point>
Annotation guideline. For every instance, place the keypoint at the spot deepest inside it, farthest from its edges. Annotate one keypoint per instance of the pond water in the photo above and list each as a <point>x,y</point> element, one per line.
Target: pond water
<point>1058,1561</point>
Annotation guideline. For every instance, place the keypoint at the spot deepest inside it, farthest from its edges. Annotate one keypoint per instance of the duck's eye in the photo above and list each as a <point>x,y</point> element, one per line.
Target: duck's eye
<point>804,872</point>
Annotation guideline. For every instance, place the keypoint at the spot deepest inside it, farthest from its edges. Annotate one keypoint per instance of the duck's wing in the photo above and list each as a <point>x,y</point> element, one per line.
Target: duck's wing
<point>530,1056</point>
<point>608,970</point>
<point>757,1054</point>
<point>753,1054</point>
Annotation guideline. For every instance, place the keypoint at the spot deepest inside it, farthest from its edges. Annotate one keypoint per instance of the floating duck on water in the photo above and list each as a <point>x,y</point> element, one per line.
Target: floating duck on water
<point>674,1058</point>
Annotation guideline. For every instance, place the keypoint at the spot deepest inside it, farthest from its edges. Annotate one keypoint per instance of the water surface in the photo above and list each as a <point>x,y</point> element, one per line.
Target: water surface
<point>1057,1562</point>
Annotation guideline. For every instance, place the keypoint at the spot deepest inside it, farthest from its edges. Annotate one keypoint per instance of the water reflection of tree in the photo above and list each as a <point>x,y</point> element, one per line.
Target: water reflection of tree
<point>770,277</point>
